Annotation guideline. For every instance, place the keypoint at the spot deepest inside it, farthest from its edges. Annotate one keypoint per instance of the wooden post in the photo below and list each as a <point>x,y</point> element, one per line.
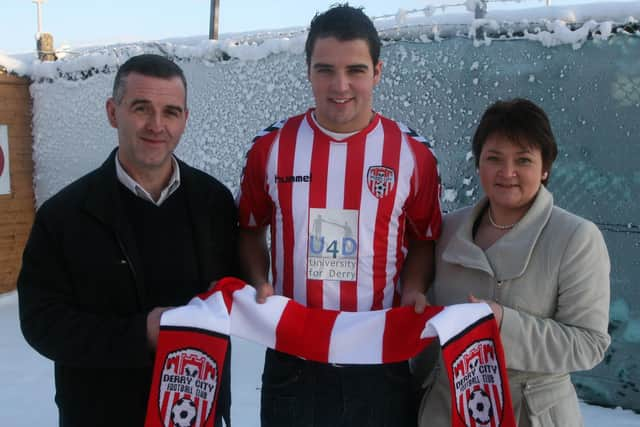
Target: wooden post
<point>44,41</point>
<point>479,13</point>
<point>46,52</point>
<point>213,24</point>
<point>481,9</point>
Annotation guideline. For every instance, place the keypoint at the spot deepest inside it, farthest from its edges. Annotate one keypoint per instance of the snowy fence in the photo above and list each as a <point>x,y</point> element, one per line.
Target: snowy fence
<point>590,89</point>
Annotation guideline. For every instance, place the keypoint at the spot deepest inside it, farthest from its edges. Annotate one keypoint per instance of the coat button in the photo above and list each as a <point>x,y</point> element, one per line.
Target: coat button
<point>499,283</point>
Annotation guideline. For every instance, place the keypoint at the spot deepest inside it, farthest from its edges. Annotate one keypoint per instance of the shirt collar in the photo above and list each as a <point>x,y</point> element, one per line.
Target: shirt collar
<point>336,136</point>
<point>133,186</point>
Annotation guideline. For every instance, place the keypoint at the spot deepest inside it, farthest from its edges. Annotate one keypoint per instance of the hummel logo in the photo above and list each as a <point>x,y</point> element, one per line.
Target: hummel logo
<point>292,178</point>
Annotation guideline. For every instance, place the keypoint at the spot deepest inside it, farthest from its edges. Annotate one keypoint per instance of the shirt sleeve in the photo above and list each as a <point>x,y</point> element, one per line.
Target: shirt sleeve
<point>424,218</point>
<point>255,206</point>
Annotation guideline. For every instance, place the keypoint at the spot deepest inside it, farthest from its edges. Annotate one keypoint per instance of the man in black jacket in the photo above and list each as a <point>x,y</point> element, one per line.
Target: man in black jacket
<point>113,250</point>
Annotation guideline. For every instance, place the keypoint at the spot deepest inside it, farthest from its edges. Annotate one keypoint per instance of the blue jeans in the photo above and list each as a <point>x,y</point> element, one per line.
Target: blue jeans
<point>300,393</point>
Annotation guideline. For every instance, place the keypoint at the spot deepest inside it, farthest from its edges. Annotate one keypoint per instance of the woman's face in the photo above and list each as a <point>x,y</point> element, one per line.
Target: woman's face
<point>510,173</point>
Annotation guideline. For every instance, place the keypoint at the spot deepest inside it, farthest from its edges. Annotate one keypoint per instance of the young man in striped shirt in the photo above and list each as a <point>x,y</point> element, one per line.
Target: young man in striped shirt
<point>351,199</point>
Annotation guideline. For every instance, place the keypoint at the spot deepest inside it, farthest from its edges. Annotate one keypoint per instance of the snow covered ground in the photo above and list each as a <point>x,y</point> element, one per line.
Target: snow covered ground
<point>26,399</point>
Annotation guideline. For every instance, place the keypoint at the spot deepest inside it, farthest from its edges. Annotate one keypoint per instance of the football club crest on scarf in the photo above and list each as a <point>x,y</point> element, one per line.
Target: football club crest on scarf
<point>184,393</point>
<point>478,384</point>
<point>380,180</point>
<point>189,379</point>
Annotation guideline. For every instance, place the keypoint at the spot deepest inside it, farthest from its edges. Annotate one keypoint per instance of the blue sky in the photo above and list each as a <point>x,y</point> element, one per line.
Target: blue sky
<point>82,22</point>
<point>96,22</point>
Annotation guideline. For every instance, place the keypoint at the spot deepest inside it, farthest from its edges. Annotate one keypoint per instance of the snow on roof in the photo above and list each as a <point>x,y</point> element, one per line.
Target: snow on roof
<point>13,65</point>
<point>551,26</point>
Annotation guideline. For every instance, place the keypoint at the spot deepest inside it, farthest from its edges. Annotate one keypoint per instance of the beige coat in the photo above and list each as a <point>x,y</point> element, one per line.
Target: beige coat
<point>551,274</point>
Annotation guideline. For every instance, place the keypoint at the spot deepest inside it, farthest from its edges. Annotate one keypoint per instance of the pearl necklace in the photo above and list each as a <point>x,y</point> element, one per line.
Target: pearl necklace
<point>498,226</point>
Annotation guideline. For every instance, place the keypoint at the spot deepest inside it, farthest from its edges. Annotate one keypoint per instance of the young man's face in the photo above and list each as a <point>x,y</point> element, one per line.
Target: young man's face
<point>342,76</point>
<point>150,119</point>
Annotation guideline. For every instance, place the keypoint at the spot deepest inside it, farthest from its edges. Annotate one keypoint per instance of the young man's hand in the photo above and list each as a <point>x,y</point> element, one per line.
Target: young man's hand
<point>263,291</point>
<point>415,298</point>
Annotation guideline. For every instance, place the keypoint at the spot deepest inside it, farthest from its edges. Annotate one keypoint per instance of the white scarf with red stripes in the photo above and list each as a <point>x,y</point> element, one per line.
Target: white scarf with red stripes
<point>192,346</point>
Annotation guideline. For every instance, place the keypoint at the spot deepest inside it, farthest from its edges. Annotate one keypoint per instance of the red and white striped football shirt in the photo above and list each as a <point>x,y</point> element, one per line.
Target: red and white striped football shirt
<point>340,211</point>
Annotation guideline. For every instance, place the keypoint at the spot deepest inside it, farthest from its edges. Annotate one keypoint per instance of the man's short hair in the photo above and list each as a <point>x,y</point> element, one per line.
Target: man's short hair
<point>345,23</point>
<point>149,65</point>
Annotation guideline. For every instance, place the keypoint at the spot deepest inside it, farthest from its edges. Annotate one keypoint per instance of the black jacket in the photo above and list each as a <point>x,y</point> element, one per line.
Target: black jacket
<point>82,292</point>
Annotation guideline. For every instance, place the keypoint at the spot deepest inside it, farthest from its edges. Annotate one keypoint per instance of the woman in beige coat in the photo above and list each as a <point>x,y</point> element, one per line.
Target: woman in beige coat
<point>543,271</point>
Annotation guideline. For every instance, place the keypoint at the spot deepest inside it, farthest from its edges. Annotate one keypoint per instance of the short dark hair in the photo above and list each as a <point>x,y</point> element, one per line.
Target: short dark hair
<point>522,122</point>
<point>148,65</point>
<point>345,23</point>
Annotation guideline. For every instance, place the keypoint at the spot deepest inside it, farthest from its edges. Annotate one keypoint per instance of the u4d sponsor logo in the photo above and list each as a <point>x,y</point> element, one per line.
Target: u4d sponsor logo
<point>347,247</point>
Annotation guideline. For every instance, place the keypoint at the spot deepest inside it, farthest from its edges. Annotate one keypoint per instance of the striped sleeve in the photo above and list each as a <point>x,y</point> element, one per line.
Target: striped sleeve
<point>253,201</point>
<point>423,205</point>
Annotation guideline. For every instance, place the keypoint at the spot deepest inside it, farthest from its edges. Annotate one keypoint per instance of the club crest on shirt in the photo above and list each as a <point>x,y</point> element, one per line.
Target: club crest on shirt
<point>188,388</point>
<point>380,180</point>
<point>478,385</point>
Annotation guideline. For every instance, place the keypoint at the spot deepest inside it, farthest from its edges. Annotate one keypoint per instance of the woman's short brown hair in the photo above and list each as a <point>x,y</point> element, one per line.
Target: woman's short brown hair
<point>522,122</point>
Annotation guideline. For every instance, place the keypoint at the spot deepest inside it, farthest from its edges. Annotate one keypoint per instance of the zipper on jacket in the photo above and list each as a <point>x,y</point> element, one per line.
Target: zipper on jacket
<point>126,257</point>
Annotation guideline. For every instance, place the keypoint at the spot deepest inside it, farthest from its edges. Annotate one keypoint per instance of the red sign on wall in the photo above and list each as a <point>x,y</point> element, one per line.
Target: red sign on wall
<point>1,160</point>
<point>5,176</point>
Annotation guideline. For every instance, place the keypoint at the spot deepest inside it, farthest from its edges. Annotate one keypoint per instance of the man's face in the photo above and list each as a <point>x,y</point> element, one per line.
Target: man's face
<point>342,77</point>
<point>150,120</point>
